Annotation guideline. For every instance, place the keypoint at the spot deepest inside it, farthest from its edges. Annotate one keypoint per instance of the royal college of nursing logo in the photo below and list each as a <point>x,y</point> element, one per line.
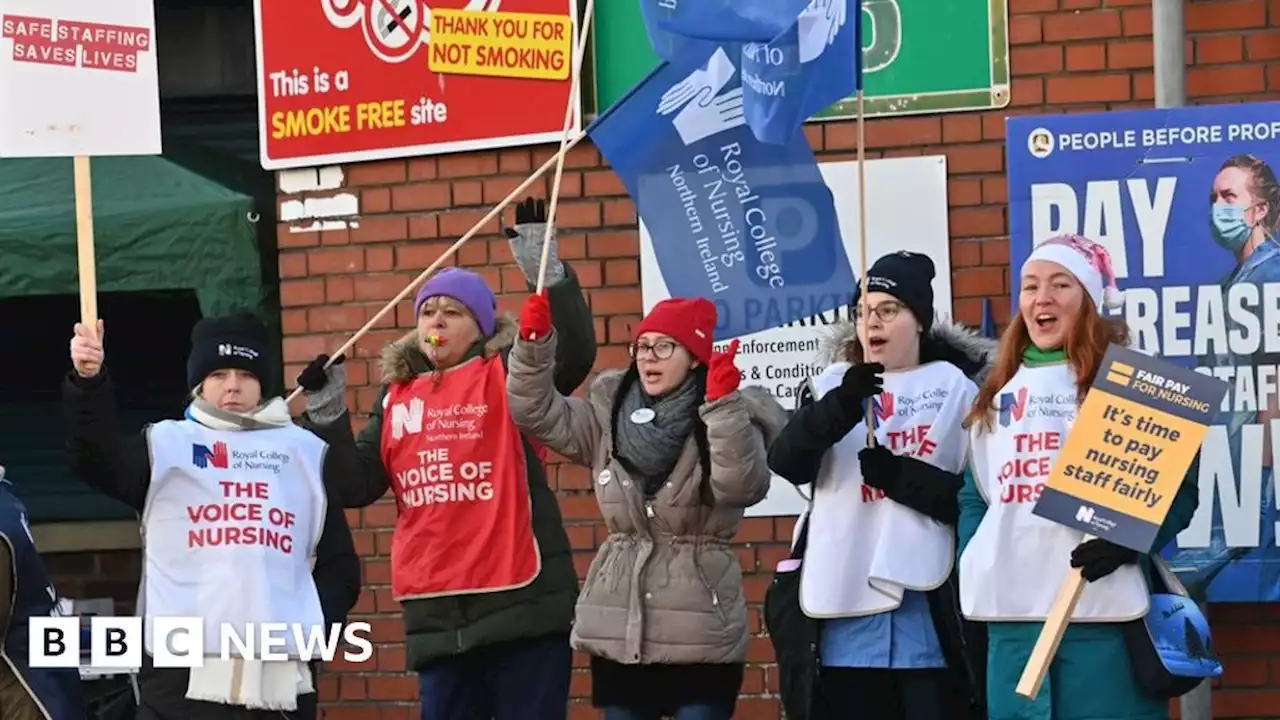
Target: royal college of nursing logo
<point>1013,406</point>
<point>883,406</point>
<point>203,457</point>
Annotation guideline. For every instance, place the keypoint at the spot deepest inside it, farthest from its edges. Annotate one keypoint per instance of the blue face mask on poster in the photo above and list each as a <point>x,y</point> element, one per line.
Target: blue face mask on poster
<point>1229,227</point>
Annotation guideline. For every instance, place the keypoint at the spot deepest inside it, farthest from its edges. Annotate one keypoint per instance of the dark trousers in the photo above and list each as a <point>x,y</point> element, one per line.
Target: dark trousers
<point>519,680</point>
<point>164,697</point>
<point>874,694</point>
<point>688,712</point>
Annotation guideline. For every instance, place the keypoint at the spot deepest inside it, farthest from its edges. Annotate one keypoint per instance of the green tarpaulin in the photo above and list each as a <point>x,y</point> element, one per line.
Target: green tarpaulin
<point>157,226</point>
<point>160,231</point>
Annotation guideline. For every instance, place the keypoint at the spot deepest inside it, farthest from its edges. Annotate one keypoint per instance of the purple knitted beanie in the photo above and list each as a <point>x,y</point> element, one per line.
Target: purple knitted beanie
<point>467,288</point>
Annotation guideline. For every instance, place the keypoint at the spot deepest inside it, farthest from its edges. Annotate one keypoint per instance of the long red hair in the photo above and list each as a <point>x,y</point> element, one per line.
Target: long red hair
<point>1086,345</point>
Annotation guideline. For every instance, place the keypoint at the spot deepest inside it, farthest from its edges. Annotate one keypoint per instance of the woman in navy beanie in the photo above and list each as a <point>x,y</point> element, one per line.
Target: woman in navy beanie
<point>480,560</point>
<point>281,550</point>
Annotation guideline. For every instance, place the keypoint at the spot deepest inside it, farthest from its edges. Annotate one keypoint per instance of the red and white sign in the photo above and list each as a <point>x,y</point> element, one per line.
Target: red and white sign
<point>78,77</point>
<point>353,80</point>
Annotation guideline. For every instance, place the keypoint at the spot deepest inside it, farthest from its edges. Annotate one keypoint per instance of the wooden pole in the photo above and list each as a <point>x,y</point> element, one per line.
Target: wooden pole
<point>862,237</point>
<point>391,304</point>
<point>84,245</point>
<point>569,108</point>
<point>1064,606</point>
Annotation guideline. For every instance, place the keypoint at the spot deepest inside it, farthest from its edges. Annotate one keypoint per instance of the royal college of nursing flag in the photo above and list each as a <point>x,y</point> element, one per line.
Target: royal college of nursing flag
<point>798,57</point>
<point>715,159</point>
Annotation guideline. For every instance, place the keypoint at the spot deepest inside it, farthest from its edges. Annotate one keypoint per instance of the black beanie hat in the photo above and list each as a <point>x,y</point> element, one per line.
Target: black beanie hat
<point>237,341</point>
<point>908,277</point>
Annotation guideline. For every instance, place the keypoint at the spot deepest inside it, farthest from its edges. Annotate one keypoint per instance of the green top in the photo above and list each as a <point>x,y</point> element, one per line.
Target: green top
<point>1035,356</point>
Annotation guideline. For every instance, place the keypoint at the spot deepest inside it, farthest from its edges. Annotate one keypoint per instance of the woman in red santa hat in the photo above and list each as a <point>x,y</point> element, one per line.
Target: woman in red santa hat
<point>1013,562</point>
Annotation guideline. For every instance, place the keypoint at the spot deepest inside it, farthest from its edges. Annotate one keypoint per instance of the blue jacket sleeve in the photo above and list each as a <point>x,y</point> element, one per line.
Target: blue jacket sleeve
<point>972,510</point>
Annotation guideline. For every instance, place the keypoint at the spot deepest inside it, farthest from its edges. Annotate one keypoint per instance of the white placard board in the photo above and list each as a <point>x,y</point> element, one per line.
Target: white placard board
<point>78,77</point>
<point>906,210</point>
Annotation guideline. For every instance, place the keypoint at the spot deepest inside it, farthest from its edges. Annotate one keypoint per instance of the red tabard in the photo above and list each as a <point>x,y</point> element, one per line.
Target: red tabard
<point>457,467</point>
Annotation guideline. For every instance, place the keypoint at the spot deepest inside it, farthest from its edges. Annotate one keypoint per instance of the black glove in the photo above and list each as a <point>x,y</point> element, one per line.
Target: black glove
<point>860,382</point>
<point>314,377</point>
<point>1099,558</point>
<point>530,211</point>
<point>880,467</point>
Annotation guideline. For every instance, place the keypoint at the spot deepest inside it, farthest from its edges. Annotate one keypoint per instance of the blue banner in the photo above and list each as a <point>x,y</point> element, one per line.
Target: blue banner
<point>1187,202</point>
<point>672,24</point>
<point>813,64</point>
<point>748,225</point>
<point>798,57</point>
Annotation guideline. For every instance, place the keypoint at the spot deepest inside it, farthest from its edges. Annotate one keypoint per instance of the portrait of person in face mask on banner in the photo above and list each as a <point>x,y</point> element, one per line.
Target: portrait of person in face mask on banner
<point>1244,208</point>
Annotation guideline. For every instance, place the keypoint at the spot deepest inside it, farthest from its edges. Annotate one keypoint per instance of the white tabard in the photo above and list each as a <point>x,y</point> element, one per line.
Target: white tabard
<point>231,524</point>
<point>865,550</point>
<point>1014,565</point>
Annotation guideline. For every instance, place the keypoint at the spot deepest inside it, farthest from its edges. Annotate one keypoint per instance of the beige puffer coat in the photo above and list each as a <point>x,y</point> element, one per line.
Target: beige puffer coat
<point>665,587</point>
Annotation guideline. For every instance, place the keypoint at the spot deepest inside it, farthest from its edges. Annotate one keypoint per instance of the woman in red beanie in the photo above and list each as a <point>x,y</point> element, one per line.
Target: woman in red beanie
<point>677,453</point>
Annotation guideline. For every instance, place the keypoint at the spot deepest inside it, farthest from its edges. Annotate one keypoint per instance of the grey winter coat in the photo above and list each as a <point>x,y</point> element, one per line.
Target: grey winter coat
<point>665,587</point>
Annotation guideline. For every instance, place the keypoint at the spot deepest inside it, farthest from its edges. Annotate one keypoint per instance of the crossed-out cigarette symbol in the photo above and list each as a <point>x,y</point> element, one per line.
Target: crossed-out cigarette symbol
<point>393,29</point>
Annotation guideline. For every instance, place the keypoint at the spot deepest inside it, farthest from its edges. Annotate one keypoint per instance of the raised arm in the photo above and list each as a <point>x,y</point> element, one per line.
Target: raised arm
<point>741,424</point>
<point>354,474</point>
<point>566,425</point>
<point>99,456</point>
<point>570,315</point>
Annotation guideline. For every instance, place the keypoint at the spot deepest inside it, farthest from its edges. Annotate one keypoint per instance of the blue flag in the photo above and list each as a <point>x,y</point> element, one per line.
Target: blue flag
<point>675,25</point>
<point>748,225</point>
<point>988,328</point>
<point>814,63</point>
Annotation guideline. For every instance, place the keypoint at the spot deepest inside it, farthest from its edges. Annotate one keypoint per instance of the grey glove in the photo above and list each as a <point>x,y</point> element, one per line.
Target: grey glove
<point>526,239</point>
<point>325,388</point>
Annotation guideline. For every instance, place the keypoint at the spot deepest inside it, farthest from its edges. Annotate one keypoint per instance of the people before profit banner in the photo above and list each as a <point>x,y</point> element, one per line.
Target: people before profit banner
<point>749,225</point>
<point>1188,205</point>
<point>118,642</point>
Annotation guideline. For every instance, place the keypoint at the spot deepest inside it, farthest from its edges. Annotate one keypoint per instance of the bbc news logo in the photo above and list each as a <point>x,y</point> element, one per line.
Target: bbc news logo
<point>116,642</point>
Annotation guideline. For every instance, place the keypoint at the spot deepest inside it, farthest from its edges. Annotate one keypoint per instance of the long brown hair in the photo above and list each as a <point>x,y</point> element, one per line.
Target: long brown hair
<point>1085,346</point>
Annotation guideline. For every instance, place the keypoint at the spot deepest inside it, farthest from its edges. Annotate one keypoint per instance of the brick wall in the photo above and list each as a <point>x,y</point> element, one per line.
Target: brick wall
<point>338,270</point>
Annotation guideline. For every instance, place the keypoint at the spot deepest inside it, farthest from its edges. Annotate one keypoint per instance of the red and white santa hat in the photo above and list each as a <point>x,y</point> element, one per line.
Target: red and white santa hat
<point>1088,261</point>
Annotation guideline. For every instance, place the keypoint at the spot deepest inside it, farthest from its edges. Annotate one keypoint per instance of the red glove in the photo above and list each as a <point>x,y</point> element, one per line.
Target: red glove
<point>535,318</point>
<point>722,375</point>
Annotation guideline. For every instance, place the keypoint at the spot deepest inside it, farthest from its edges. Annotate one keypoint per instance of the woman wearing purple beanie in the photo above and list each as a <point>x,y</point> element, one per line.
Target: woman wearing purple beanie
<point>480,560</point>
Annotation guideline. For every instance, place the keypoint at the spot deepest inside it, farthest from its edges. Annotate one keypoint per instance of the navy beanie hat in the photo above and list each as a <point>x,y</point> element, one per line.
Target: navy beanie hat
<point>235,342</point>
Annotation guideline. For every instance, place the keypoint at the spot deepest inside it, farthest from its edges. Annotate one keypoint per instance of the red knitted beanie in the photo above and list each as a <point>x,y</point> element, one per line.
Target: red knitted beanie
<point>692,323</point>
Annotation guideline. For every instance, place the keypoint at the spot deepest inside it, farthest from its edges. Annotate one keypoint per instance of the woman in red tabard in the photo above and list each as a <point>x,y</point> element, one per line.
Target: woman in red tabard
<point>480,559</point>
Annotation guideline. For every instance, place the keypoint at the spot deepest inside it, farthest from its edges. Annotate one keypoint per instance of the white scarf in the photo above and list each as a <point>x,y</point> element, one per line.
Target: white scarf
<point>254,684</point>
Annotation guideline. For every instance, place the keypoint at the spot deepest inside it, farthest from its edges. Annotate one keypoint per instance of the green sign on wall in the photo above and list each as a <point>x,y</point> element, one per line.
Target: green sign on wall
<point>919,56</point>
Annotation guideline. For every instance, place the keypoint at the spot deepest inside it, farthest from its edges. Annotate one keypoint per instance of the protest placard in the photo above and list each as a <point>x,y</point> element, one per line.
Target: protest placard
<point>1133,440</point>
<point>79,80</point>
<point>1137,432</point>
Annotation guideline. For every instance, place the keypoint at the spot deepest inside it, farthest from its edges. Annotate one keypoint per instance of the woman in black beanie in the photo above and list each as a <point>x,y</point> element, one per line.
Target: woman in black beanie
<point>877,567</point>
<point>236,513</point>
